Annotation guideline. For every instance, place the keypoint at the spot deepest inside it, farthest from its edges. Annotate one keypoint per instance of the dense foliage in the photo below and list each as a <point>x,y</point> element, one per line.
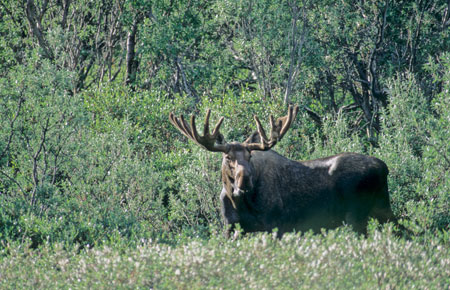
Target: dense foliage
<point>92,173</point>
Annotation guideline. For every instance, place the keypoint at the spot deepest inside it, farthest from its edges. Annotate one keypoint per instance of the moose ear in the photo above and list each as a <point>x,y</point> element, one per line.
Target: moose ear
<point>254,138</point>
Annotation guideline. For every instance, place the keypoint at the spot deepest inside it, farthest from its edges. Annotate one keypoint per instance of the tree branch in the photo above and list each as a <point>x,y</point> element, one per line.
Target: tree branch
<point>11,125</point>
<point>186,85</point>
<point>36,29</point>
<point>132,63</point>
<point>35,160</point>
<point>314,116</point>
<point>15,181</point>
<point>297,44</point>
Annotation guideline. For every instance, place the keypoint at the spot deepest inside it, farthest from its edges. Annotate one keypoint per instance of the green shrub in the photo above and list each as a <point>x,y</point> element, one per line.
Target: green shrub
<point>414,144</point>
<point>196,203</point>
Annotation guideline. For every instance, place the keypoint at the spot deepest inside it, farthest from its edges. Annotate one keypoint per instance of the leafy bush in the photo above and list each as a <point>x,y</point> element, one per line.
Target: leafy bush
<point>196,203</point>
<point>40,122</point>
<point>414,143</point>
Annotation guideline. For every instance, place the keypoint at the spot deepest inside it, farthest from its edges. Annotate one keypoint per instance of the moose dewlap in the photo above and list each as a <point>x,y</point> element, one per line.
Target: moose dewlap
<point>263,190</point>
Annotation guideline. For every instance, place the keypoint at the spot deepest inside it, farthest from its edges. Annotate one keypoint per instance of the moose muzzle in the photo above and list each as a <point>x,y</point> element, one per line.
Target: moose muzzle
<point>243,180</point>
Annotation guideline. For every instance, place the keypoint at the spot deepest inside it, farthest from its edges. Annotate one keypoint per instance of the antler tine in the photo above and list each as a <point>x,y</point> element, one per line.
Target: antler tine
<point>180,125</point>
<point>216,129</point>
<point>265,143</point>
<point>206,127</point>
<point>292,113</point>
<point>207,141</point>
<point>278,129</point>
<point>186,128</point>
<point>195,135</point>
<point>261,131</point>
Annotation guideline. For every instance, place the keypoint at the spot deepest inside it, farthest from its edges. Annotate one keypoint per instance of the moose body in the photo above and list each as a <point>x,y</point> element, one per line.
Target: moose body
<point>323,193</point>
<point>263,190</point>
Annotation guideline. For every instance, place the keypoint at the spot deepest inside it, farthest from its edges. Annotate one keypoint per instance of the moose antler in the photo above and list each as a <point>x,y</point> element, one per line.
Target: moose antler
<point>277,131</point>
<point>207,141</point>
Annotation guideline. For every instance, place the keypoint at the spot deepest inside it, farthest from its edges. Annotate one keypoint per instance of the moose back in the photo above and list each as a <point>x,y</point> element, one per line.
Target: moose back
<point>263,190</point>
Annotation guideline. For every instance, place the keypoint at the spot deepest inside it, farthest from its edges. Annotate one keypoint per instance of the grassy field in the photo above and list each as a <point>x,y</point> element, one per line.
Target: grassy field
<point>336,259</point>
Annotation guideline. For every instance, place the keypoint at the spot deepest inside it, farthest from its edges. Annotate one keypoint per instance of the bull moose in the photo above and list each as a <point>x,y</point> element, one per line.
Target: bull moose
<point>263,190</point>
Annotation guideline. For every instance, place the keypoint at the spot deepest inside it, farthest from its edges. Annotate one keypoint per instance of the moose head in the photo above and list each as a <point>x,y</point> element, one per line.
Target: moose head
<point>237,172</point>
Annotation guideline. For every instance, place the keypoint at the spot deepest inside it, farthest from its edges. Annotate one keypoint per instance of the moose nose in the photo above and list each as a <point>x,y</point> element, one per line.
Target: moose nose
<point>243,180</point>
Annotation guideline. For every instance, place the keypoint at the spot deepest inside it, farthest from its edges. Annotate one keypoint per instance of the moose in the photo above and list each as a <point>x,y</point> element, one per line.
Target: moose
<point>263,190</point>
